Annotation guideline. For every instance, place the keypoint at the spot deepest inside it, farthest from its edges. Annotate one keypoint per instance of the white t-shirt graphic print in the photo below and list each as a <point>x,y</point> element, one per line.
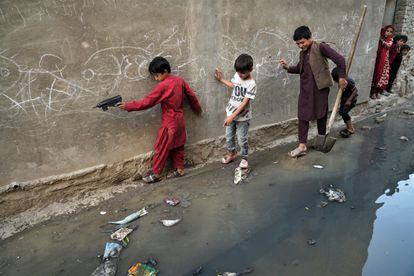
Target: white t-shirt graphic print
<point>242,88</point>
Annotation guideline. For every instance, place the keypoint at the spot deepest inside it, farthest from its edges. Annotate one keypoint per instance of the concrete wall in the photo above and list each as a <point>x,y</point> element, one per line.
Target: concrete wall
<point>58,58</point>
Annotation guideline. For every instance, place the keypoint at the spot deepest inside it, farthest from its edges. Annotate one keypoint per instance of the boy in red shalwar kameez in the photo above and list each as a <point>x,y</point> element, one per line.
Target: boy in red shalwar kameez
<point>171,137</point>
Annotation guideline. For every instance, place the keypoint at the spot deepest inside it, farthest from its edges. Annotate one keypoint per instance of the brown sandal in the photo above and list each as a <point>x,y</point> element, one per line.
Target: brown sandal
<point>297,152</point>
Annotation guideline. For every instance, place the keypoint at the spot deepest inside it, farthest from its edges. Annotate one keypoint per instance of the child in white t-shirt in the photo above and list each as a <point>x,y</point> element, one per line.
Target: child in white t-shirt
<point>238,109</point>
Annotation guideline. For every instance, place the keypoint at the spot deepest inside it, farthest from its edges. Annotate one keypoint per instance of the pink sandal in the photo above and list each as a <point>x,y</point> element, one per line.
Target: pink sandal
<point>228,157</point>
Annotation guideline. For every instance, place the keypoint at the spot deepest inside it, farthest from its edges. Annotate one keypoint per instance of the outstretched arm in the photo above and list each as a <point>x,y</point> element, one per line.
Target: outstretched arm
<point>291,69</point>
<point>153,98</point>
<point>219,76</point>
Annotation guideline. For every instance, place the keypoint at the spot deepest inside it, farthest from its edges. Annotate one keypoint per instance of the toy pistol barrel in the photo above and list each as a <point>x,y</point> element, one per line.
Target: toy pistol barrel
<point>109,102</point>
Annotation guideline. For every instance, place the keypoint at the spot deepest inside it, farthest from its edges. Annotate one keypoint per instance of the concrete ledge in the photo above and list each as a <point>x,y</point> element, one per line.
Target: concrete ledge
<point>18,197</point>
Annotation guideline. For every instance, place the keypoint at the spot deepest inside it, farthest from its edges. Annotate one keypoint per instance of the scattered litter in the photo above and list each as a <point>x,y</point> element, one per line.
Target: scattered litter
<point>151,261</point>
<point>380,119</point>
<point>408,112</point>
<point>140,269</point>
<point>102,212</point>
<point>380,148</point>
<point>240,174</point>
<point>311,242</point>
<point>107,268</point>
<point>404,138</point>
<point>318,166</point>
<point>246,271</point>
<point>197,270</point>
<point>131,217</point>
<point>121,233</point>
<point>307,208</point>
<point>170,222</point>
<point>323,204</point>
<point>172,201</point>
<point>276,162</point>
<point>366,127</point>
<point>334,194</point>
<point>112,250</point>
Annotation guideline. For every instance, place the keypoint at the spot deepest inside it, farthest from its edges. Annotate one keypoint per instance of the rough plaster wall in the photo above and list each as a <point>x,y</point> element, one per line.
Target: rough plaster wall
<point>59,58</point>
<point>404,22</point>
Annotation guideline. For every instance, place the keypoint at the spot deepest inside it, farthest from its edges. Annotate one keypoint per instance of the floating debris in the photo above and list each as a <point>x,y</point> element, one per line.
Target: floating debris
<point>197,270</point>
<point>318,166</point>
<point>380,148</point>
<point>121,233</point>
<point>107,268</point>
<point>131,217</point>
<point>408,112</point>
<point>404,138</point>
<point>334,194</point>
<point>102,212</point>
<point>311,242</point>
<point>170,222</point>
<point>323,204</point>
<point>172,201</point>
<point>307,208</point>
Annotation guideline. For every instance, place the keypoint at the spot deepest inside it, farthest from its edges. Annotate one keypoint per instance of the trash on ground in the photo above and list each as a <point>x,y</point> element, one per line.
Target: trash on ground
<point>276,162</point>
<point>408,112</point>
<point>311,242</point>
<point>102,212</point>
<point>334,194</point>
<point>185,203</point>
<point>380,119</point>
<point>107,268</point>
<point>140,269</point>
<point>170,222</point>
<point>121,233</point>
<point>246,271</point>
<point>197,270</point>
<point>318,166</point>
<point>380,148</point>
<point>323,204</point>
<point>240,174</point>
<point>172,201</point>
<point>131,217</point>
<point>112,250</point>
<point>404,138</point>
<point>151,261</point>
<point>307,208</point>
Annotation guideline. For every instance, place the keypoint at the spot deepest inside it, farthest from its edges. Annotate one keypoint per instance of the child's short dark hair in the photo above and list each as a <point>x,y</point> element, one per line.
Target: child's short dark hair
<point>159,65</point>
<point>302,32</point>
<point>335,74</point>
<point>243,63</point>
<point>400,37</point>
<point>405,47</point>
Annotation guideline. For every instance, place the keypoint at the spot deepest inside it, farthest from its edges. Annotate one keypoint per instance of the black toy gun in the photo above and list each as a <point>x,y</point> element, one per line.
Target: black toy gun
<point>109,102</point>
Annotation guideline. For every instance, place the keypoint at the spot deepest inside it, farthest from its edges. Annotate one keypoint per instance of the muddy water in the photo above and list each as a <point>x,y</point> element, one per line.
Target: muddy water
<point>391,247</point>
<point>264,223</point>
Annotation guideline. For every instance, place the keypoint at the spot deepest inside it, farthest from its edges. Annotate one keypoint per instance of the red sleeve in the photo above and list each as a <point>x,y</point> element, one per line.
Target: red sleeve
<point>153,98</point>
<point>192,99</point>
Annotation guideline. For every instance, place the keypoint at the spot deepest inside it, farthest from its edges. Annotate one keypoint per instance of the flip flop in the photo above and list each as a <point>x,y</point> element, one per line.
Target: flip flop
<point>151,178</point>
<point>228,157</point>
<point>345,133</point>
<point>297,152</point>
<point>173,174</point>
